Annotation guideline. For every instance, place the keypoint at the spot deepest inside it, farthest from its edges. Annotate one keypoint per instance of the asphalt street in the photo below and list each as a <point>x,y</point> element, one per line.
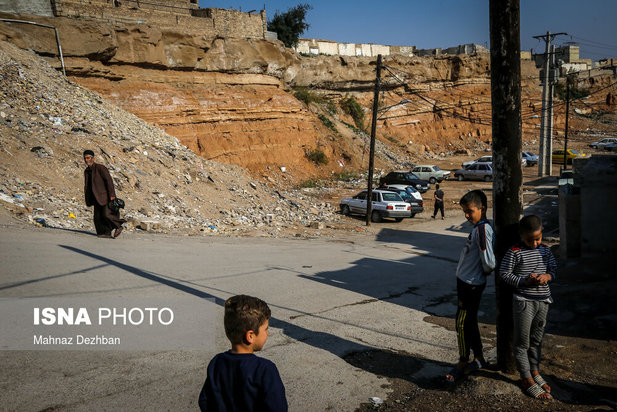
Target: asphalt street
<point>329,297</point>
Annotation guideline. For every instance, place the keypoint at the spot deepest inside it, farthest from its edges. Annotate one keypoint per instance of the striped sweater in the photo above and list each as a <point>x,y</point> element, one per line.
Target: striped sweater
<point>520,262</point>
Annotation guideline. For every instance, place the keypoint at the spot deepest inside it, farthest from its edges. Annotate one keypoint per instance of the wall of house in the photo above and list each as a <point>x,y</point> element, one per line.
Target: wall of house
<point>332,48</point>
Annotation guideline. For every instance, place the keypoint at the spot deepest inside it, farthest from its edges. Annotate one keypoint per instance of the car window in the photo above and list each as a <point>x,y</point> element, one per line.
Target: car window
<point>361,196</point>
<point>410,189</point>
<point>436,168</point>
<point>426,169</point>
<point>484,167</point>
<point>573,151</point>
<point>391,197</point>
<point>415,169</point>
<point>409,176</point>
<point>375,197</point>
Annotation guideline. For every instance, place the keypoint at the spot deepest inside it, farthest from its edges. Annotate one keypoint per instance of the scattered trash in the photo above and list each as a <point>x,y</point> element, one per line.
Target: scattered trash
<point>41,222</point>
<point>375,400</point>
<point>72,216</point>
<point>283,169</point>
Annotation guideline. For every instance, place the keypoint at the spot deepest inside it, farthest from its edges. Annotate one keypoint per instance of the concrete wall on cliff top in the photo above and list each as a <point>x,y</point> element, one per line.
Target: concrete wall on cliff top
<point>181,15</point>
<point>36,7</point>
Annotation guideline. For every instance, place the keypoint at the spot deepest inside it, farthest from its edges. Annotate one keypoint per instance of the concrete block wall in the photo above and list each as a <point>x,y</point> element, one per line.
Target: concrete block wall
<point>234,23</point>
<point>184,15</point>
<point>597,179</point>
<point>35,7</point>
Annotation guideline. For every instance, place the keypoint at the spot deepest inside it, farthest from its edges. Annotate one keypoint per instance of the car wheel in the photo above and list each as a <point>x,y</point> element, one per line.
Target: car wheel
<point>375,216</point>
<point>487,178</point>
<point>345,210</point>
<point>432,180</point>
<point>399,219</point>
<point>460,178</point>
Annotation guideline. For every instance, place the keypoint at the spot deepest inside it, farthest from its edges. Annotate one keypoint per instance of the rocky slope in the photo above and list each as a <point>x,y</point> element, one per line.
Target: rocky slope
<point>46,121</point>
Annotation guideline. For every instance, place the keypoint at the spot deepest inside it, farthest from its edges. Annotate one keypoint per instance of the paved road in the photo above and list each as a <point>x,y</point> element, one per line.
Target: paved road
<point>329,297</point>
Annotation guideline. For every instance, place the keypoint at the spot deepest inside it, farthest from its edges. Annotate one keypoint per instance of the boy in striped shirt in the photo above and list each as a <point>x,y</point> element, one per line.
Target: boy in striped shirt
<point>529,266</point>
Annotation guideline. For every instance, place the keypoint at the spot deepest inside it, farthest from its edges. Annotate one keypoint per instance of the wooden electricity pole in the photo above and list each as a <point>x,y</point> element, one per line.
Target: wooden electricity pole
<point>371,158</point>
<point>507,145</point>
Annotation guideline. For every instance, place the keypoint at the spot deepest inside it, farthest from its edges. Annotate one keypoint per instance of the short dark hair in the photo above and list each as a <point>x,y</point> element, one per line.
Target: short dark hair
<point>88,152</point>
<point>437,186</point>
<point>244,313</point>
<point>530,224</point>
<point>475,198</point>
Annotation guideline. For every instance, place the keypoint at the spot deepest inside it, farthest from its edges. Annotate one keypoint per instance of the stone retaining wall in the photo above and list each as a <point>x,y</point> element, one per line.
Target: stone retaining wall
<point>184,15</point>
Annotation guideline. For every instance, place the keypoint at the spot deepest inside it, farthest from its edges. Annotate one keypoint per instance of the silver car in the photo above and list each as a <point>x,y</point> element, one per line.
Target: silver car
<point>385,204</point>
<point>602,143</point>
<point>476,171</point>
<point>531,159</point>
<point>431,173</point>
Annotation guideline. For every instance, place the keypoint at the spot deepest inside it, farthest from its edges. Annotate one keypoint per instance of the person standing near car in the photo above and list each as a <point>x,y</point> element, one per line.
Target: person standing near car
<point>99,191</point>
<point>438,196</point>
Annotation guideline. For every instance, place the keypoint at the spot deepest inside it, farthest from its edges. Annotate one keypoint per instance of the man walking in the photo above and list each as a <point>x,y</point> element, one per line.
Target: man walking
<point>438,196</point>
<point>99,190</point>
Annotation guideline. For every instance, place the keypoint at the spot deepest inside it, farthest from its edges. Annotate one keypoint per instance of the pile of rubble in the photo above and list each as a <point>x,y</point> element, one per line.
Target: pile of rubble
<point>46,121</point>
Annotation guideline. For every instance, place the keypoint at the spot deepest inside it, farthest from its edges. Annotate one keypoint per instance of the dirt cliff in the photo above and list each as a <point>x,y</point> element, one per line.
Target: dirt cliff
<point>231,100</point>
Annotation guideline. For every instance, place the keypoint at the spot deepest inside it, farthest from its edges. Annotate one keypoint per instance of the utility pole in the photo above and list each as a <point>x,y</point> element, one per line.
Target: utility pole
<point>546,121</point>
<point>507,145</point>
<point>371,158</point>
<point>565,144</point>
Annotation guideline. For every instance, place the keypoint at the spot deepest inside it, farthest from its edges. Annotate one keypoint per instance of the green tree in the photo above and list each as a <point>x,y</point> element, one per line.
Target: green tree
<point>290,24</point>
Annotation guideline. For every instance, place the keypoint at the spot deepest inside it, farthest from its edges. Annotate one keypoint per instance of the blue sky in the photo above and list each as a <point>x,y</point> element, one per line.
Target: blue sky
<point>445,23</point>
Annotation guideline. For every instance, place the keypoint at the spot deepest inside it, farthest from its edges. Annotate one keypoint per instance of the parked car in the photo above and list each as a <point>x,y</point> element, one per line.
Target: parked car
<point>611,147</point>
<point>409,189</point>
<point>489,159</point>
<point>530,158</point>
<point>476,171</point>
<point>483,159</point>
<point>405,178</point>
<point>431,173</point>
<point>558,155</point>
<point>385,204</point>
<point>408,195</point>
<point>602,143</point>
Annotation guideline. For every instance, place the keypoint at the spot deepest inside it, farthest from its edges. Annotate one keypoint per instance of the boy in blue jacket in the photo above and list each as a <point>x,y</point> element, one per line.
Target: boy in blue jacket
<point>477,260</point>
<point>237,379</point>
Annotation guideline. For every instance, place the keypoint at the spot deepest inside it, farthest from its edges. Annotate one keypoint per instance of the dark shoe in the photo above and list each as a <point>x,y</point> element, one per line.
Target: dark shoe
<point>105,236</point>
<point>432,217</point>
<point>117,232</point>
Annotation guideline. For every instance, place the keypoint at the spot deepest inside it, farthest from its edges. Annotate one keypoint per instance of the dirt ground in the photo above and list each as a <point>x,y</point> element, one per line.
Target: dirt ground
<point>579,348</point>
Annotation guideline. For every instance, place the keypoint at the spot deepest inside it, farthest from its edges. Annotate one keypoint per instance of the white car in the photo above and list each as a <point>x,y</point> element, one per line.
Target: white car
<point>409,189</point>
<point>431,173</point>
<point>385,204</point>
<point>603,142</point>
<point>409,195</point>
